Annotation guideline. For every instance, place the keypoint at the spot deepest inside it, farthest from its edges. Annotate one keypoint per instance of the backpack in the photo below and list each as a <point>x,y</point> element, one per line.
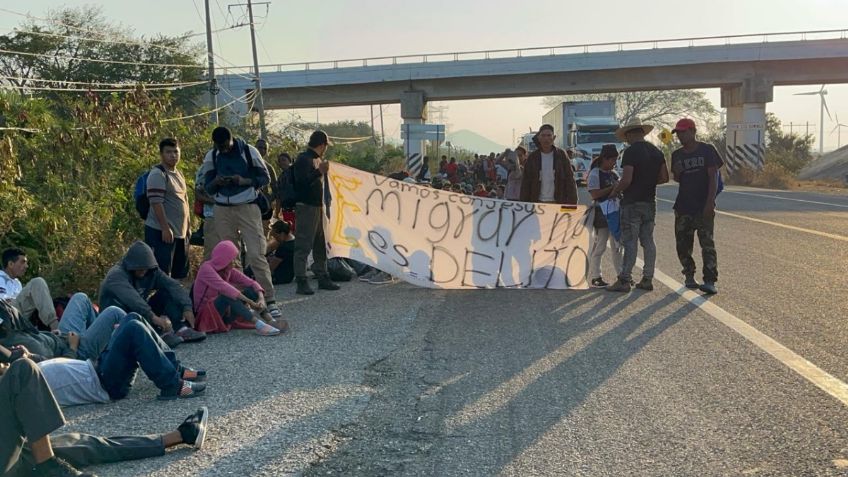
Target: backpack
<point>289,196</point>
<point>261,198</point>
<point>719,183</point>
<point>142,203</point>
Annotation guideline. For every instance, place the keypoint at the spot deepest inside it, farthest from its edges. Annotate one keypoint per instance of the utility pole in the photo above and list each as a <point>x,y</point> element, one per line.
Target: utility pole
<point>373,134</point>
<point>213,82</point>
<point>260,105</point>
<point>382,128</point>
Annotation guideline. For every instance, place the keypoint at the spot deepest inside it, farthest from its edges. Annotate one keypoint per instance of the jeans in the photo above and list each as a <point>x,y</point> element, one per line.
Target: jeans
<point>171,257</point>
<point>94,332</point>
<point>28,411</point>
<point>134,344</point>
<point>685,227</point>
<point>637,227</point>
<point>599,246</point>
<point>310,238</point>
<point>232,309</point>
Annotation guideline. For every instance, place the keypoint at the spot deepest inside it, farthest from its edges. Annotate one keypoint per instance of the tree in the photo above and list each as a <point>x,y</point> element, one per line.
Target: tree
<point>54,54</point>
<point>659,108</point>
<point>791,151</point>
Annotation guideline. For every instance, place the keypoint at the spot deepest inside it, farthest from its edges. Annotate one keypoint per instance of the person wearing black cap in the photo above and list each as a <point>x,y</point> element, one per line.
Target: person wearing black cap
<point>309,171</point>
<point>695,166</point>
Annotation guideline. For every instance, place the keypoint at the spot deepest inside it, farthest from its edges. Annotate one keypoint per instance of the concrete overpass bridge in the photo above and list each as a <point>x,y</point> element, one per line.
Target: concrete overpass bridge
<point>745,67</point>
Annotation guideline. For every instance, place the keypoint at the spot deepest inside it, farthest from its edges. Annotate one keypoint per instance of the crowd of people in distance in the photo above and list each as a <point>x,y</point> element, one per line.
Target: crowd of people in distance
<point>260,227</point>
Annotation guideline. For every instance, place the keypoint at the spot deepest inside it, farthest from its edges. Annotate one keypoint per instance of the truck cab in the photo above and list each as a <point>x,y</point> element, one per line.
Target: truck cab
<point>586,137</point>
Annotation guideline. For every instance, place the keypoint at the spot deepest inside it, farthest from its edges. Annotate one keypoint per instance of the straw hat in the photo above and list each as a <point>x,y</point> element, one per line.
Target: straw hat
<point>634,123</point>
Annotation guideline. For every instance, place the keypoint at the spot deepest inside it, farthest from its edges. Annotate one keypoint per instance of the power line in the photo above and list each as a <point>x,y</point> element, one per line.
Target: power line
<point>95,90</point>
<point>94,60</point>
<point>99,40</point>
<point>95,83</point>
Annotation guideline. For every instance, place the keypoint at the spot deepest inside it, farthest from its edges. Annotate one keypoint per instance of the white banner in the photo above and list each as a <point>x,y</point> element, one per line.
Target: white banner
<point>439,239</point>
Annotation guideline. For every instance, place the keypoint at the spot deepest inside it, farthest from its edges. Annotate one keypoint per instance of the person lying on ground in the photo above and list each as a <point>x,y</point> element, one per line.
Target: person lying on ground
<point>134,344</point>
<point>29,299</point>
<point>16,331</point>
<point>29,412</point>
<point>222,294</point>
<point>137,285</point>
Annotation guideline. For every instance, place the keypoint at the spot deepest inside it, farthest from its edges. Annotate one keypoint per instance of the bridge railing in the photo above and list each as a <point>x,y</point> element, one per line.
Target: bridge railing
<point>620,46</point>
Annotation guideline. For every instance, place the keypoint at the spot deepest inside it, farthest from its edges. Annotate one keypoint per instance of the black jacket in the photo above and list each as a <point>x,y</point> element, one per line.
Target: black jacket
<point>308,181</point>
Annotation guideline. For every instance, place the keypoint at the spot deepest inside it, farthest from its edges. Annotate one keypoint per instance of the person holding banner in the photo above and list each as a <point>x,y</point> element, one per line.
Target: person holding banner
<point>601,181</point>
<point>548,176</point>
<point>309,171</point>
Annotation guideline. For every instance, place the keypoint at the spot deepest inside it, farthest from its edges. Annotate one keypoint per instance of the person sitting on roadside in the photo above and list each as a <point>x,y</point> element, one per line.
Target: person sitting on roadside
<point>280,253</point>
<point>481,191</point>
<point>223,294</point>
<point>29,299</point>
<point>29,413</point>
<point>136,284</point>
<point>132,345</point>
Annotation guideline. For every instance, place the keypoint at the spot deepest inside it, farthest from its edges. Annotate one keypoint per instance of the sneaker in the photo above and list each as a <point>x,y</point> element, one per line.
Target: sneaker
<point>275,312</point>
<point>622,286</point>
<point>324,283</point>
<point>56,467</point>
<point>708,288</point>
<point>171,339</point>
<point>646,284</point>
<point>190,335</point>
<point>186,390</point>
<point>303,287</point>
<point>368,275</point>
<point>599,283</point>
<point>193,375</point>
<point>690,282</point>
<point>381,278</point>
<point>264,329</point>
<point>193,429</point>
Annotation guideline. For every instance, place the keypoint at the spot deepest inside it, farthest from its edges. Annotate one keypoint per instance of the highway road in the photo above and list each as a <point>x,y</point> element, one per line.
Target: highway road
<point>396,380</point>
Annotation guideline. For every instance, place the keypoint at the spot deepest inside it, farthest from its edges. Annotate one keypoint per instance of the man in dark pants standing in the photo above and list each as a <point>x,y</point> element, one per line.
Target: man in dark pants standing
<point>695,166</point>
<point>166,228</point>
<point>309,172</point>
<point>644,168</point>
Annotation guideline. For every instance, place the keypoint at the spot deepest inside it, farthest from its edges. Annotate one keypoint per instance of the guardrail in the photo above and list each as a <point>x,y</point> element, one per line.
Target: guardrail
<point>545,51</point>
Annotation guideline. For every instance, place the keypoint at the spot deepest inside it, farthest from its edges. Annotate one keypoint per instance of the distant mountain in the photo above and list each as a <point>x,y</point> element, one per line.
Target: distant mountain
<point>474,142</point>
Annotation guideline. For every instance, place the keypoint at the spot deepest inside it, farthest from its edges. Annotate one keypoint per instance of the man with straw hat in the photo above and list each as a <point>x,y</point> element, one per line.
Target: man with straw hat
<point>643,169</point>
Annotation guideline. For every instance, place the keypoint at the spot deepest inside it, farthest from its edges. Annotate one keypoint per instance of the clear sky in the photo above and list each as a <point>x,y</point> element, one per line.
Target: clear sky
<point>309,30</point>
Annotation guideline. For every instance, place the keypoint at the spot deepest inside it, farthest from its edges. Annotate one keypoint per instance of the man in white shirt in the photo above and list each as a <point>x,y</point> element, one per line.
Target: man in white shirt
<point>35,296</point>
<point>548,176</point>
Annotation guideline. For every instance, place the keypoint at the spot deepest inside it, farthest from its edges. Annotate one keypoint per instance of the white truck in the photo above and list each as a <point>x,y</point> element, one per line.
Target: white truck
<point>582,128</point>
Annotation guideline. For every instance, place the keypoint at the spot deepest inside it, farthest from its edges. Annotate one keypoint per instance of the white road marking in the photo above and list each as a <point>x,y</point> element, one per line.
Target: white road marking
<point>845,206</point>
<point>804,368</point>
<point>776,224</point>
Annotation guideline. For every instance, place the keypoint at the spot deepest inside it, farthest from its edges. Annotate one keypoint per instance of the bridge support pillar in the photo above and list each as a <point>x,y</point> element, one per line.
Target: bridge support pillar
<point>746,123</point>
<point>413,110</point>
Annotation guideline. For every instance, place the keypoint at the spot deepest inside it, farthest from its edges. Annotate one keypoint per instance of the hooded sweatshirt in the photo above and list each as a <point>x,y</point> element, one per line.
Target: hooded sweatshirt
<point>214,278</point>
<point>123,289</point>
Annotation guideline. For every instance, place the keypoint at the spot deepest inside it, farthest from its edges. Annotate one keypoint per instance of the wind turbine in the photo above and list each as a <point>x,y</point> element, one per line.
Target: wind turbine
<point>821,94</point>
<point>838,130</point>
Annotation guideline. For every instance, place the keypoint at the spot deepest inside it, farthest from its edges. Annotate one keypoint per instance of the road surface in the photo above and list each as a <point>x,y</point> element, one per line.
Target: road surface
<point>396,380</point>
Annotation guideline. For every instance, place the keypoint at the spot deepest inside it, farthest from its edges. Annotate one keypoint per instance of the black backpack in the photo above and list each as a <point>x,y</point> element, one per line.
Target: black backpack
<point>289,195</point>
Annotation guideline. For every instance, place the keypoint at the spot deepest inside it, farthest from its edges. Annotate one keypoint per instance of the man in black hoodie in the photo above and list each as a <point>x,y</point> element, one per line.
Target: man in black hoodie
<point>137,285</point>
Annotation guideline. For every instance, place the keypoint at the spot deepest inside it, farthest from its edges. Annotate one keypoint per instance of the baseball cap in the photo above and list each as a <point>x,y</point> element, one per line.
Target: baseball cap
<point>683,125</point>
<point>319,138</point>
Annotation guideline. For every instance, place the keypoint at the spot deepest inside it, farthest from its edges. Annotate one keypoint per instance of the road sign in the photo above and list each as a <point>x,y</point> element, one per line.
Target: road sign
<point>745,126</point>
<point>423,132</point>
